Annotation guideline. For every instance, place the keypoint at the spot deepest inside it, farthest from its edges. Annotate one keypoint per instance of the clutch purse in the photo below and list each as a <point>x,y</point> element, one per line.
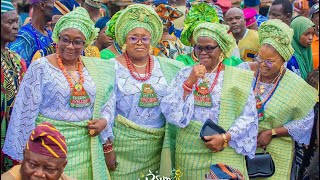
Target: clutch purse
<point>261,166</point>
<point>210,128</point>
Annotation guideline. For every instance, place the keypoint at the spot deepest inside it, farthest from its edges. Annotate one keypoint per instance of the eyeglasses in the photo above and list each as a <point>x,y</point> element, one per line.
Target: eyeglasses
<point>135,40</point>
<point>65,41</point>
<point>267,62</point>
<point>207,49</point>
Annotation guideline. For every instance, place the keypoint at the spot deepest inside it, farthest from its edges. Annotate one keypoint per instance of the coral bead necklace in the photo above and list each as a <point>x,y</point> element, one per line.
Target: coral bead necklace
<point>79,97</point>
<point>148,97</point>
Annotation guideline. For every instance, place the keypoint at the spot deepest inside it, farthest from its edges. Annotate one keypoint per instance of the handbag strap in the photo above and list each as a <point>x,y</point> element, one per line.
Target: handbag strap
<point>226,170</point>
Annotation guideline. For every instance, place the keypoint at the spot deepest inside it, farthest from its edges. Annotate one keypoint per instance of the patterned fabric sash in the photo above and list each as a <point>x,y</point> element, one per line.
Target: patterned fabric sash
<point>237,84</point>
<point>169,68</point>
<point>103,74</point>
<point>85,154</point>
<point>295,98</point>
<point>137,149</point>
<point>194,159</point>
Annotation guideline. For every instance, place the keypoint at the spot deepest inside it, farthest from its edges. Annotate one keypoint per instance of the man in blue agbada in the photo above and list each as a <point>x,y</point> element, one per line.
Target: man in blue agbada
<point>34,36</point>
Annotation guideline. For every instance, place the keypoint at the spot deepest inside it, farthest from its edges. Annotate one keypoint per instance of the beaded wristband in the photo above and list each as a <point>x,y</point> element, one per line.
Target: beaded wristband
<point>188,85</point>
<point>186,88</point>
<point>107,148</point>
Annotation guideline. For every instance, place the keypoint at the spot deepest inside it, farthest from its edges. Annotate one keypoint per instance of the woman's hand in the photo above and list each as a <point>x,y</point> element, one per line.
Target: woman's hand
<point>215,142</point>
<point>198,71</point>
<point>110,159</point>
<point>96,126</point>
<point>264,138</point>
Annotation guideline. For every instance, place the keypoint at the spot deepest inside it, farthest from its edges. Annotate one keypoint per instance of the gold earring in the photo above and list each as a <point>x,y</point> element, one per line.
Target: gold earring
<point>221,57</point>
<point>124,48</point>
<point>151,50</point>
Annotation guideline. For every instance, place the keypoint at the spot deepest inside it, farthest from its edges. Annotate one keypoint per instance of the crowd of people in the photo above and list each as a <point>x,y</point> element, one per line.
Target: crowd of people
<point>87,94</point>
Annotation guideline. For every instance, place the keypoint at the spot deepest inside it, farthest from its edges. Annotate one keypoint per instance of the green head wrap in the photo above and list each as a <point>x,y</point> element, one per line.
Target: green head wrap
<point>219,33</point>
<point>199,13</point>
<point>138,16</point>
<point>6,6</point>
<point>79,19</point>
<point>278,35</point>
<point>110,31</point>
<point>303,55</point>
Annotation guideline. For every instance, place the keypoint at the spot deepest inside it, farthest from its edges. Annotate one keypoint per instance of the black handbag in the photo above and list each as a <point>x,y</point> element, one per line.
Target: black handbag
<point>261,166</point>
<point>210,128</point>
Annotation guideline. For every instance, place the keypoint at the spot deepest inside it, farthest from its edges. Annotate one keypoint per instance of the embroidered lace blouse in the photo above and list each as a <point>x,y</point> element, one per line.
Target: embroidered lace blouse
<point>44,90</point>
<point>125,98</point>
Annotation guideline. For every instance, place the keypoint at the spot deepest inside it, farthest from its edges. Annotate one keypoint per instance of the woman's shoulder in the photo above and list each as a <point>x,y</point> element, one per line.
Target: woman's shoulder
<point>42,61</point>
<point>253,66</point>
<point>40,65</point>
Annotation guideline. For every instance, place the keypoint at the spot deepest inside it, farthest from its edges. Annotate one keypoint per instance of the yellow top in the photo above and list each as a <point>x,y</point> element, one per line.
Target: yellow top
<point>249,45</point>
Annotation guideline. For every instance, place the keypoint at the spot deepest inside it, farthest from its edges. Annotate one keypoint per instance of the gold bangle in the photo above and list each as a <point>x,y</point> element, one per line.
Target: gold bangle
<point>225,140</point>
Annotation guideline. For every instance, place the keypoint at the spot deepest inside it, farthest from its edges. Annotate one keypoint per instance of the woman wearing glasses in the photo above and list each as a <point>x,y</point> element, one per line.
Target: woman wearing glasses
<point>284,100</point>
<point>212,91</point>
<point>138,127</point>
<point>68,91</point>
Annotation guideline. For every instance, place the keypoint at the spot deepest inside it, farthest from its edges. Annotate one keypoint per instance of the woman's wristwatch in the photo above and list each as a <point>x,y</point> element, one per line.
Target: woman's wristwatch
<point>273,133</point>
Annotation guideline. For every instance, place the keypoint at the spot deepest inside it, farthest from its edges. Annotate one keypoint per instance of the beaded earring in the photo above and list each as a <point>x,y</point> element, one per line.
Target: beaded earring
<point>124,48</point>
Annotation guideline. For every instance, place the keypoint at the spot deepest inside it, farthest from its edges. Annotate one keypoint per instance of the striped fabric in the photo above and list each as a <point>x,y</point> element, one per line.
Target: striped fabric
<point>83,23</point>
<point>137,149</point>
<point>294,106</point>
<point>61,8</point>
<point>169,69</point>
<point>104,84</point>
<point>52,143</point>
<point>279,35</point>
<point>229,108</point>
<point>193,159</point>
<point>138,16</point>
<point>6,6</point>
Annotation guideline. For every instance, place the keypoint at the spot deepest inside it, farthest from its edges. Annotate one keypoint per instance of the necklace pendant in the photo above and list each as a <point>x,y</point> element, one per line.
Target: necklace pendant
<point>79,97</point>
<point>260,108</point>
<point>148,97</point>
<point>206,80</point>
<point>262,89</point>
<point>202,96</point>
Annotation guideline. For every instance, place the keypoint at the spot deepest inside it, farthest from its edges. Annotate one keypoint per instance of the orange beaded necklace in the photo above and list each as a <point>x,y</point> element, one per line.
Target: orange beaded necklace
<point>67,75</point>
<point>78,97</point>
